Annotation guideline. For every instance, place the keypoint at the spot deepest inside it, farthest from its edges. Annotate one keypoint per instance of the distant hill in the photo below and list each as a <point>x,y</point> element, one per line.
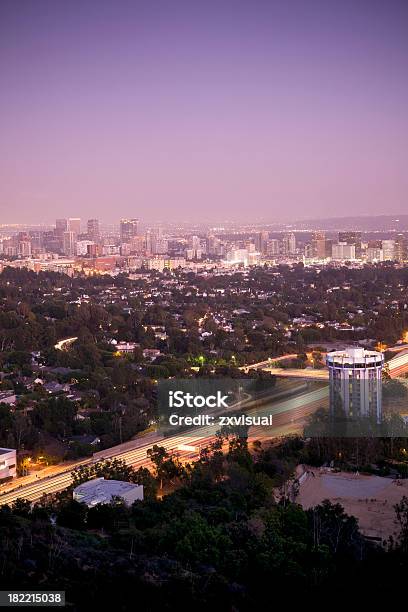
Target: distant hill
<point>398,223</point>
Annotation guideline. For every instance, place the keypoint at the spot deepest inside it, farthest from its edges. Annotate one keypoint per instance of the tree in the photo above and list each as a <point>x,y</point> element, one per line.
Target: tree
<point>55,416</point>
<point>401,511</point>
<point>334,528</point>
<point>144,477</point>
<point>317,359</point>
<point>19,358</point>
<point>111,469</point>
<point>167,468</point>
<point>73,515</point>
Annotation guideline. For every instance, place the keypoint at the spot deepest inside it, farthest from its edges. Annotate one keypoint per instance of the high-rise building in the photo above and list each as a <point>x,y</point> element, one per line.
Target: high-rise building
<point>10,248</point>
<point>319,245</point>
<point>388,247</point>
<point>125,249</point>
<point>156,244</point>
<point>23,244</point>
<point>195,242</point>
<point>148,241</point>
<point>374,254</point>
<point>238,256</point>
<point>82,247</point>
<point>261,239</point>
<point>272,247</point>
<point>138,245</point>
<point>401,251</point>
<point>213,245</point>
<point>94,250</point>
<point>374,244</point>
<point>52,242</point>
<point>195,247</point>
<point>74,225</point>
<point>37,239</point>
<point>93,229</point>
<point>352,238</point>
<point>343,251</point>
<point>356,383</point>
<point>329,247</point>
<point>69,244</point>
<point>128,229</point>
<point>61,226</point>
<point>309,251</point>
<point>289,244</point>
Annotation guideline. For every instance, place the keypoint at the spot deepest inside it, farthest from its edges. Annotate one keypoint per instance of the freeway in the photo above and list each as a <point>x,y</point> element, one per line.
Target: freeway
<point>267,362</point>
<point>285,411</point>
<point>52,484</point>
<point>269,366</point>
<point>299,373</point>
<point>148,439</point>
<point>109,453</point>
<point>397,348</point>
<point>63,345</point>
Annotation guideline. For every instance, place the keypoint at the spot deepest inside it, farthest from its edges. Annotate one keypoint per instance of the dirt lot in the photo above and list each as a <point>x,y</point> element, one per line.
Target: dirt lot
<point>370,499</point>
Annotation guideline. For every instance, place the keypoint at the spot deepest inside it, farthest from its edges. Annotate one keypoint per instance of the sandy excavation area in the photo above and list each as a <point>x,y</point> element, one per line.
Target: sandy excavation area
<point>370,499</point>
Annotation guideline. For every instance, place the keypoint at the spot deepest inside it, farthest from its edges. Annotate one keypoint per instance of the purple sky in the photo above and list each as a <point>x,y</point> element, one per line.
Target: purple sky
<point>207,110</point>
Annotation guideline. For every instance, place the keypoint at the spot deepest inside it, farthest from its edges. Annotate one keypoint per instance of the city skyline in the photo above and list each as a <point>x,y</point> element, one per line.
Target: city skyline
<point>70,246</point>
<point>205,112</point>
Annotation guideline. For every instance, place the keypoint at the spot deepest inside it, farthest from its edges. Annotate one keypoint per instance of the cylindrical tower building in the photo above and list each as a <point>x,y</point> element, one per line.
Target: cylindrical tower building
<point>356,382</point>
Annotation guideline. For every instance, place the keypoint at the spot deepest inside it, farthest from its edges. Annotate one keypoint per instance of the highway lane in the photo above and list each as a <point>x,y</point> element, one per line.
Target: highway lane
<point>285,411</point>
<point>62,345</point>
<point>397,348</point>
<point>149,440</point>
<point>299,373</point>
<point>136,458</point>
<point>267,362</point>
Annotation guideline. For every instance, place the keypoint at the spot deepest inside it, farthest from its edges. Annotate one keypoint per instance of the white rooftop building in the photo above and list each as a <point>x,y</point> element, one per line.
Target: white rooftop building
<point>101,491</point>
<point>8,463</point>
<point>126,347</point>
<point>8,397</point>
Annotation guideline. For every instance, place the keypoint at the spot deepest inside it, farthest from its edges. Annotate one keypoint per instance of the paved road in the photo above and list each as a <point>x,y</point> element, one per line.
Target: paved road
<point>397,348</point>
<point>267,362</point>
<point>299,373</point>
<point>62,345</point>
<point>285,412</point>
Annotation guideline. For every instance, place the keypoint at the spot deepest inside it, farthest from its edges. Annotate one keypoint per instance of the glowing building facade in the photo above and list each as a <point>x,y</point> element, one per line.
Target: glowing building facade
<point>356,382</point>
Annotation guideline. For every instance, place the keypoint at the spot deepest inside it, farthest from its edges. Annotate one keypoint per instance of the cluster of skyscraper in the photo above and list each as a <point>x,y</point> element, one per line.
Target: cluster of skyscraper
<point>351,246</point>
<point>70,239</point>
